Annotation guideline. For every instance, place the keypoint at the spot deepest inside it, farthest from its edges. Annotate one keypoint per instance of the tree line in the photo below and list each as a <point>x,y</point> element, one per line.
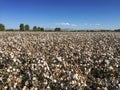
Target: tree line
<point>23,27</point>
<point>2,27</point>
<point>26,27</point>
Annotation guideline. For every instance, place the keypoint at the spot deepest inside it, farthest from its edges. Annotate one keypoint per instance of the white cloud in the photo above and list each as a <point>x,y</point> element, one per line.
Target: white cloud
<point>75,25</point>
<point>63,24</point>
<point>66,24</point>
<point>97,24</point>
<point>85,24</point>
<point>94,24</point>
<point>88,24</point>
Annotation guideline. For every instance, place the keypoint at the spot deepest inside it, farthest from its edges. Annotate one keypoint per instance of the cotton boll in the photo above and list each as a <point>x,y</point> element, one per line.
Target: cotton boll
<point>12,55</point>
<point>111,68</point>
<point>54,80</point>
<point>29,53</point>
<point>117,65</point>
<point>1,78</point>
<point>34,78</point>
<point>14,69</point>
<point>59,59</point>
<point>79,84</point>
<point>24,88</point>
<point>39,61</point>
<point>62,85</point>
<point>36,88</point>
<point>19,61</point>
<point>84,84</point>
<point>15,85</point>
<point>107,62</point>
<point>75,76</point>
<point>10,67</point>
<point>8,80</point>
<point>1,51</point>
<point>73,82</point>
<point>8,70</point>
<point>105,88</point>
<point>6,87</point>
<point>17,70</point>
<point>14,59</point>
<point>48,87</point>
<point>45,83</point>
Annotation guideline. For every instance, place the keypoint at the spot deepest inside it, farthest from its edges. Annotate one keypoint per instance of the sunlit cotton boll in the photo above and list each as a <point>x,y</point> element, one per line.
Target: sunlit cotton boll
<point>34,78</point>
<point>45,83</point>
<point>25,88</point>
<point>8,70</point>
<point>14,69</point>
<point>107,62</point>
<point>15,85</point>
<point>59,59</point>
<point>111,68</point>
<point>12,55</point>
<point>73,82</point>
<point>36,88</point>
<point>6,87</point>
<point>14,59</point>
<point>75,76</point>
<point>54,80</point>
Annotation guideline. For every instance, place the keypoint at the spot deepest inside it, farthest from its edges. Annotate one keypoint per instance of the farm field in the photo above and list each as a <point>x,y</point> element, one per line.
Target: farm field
<point>59,61</point>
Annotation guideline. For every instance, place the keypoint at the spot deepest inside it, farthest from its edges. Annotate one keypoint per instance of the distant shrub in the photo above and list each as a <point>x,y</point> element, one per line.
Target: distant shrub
<point>57,29</point>
<point>2,27</point>
<point>22,27</point>
<point>117,30</point>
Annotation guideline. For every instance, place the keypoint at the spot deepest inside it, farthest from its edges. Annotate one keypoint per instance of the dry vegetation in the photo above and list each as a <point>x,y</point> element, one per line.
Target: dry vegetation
<point>59,61</point>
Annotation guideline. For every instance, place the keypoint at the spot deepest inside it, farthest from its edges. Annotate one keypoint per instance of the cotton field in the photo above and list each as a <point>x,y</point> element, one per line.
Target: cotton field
<point>59,61</point>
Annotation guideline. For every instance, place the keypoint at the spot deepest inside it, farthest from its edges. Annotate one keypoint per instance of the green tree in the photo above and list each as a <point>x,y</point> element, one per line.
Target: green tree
<point>2,27</point>
<point>58,29</point>
<point>38,28</point>
<point>27,27</point>
<point>42,29</point>
<point>117,30</point>
<point>22,27</point>
<point>35,28</point>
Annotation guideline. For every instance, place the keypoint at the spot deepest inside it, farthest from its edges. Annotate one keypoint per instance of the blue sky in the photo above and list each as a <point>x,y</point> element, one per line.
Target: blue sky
<point>73,14</point>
